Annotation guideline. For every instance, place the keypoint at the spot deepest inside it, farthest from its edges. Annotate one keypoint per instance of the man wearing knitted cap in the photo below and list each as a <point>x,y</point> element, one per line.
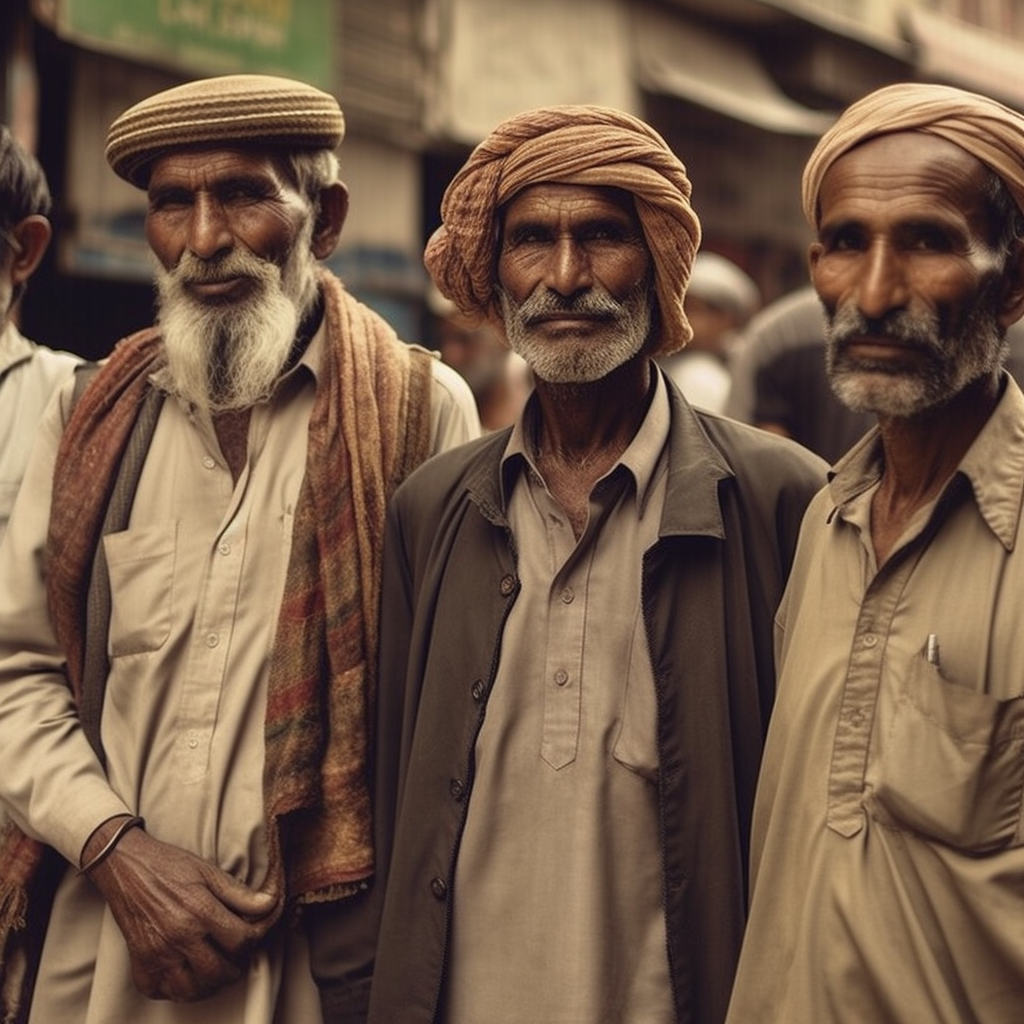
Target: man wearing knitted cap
<point>888,847</point>
<point>576,621</point>
<point>188,628</point>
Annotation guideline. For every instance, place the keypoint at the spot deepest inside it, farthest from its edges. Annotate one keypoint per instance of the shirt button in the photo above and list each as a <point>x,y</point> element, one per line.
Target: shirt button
<point>439,888</point>
<point>193,741</point>
<point>477,689</point>
<point>457,789</point>
<point>567,595</point>
<point>209,462</point>
<point>508,584</point>
<point>561,677</point>
<point>870,640</point>
<point>224,547</point>
<point>212,639</point>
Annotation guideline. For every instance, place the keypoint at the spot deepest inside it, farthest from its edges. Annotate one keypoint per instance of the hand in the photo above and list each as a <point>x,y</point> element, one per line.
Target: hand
<point>190,927</point>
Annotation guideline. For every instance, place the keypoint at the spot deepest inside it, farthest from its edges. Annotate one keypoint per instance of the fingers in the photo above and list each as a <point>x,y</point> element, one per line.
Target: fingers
<point>252,904</point>
<point>188,976</point>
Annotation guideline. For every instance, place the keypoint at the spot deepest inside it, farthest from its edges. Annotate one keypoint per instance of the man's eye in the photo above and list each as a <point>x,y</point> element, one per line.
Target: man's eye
<point>525,236</point>
<point>929,240</point>
<point>169,201</point>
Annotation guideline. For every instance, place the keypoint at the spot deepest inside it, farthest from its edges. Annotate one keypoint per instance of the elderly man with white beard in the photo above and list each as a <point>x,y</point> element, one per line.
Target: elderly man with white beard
<point>189,591</point>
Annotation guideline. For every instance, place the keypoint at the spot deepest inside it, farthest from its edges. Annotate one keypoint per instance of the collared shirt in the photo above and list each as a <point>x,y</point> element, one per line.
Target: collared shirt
<point>29,375</point>
<point>888,847</point>
<point>196,581</point>
<point>558,913</point>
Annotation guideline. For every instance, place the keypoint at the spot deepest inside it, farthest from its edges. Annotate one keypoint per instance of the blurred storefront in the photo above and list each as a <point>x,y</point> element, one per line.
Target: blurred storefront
<point>739,88</point>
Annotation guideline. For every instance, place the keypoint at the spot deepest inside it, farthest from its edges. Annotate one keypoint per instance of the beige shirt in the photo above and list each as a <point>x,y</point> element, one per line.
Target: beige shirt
<point>29,375</point>
<point>196,581</point>
<point>558,914</point>
<point>888,846</point>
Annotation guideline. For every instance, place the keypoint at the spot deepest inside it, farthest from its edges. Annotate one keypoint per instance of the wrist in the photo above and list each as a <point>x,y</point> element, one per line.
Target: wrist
<point>104,840</point>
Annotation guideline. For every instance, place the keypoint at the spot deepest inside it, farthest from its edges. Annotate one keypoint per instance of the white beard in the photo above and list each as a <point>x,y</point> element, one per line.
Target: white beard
<point>229,356</point>
<point>578,360</point>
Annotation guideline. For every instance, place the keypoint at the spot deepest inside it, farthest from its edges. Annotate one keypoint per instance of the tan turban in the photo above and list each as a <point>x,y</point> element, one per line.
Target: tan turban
<point>981,126</point>
<point>575,145</point>
<point>230,110</point>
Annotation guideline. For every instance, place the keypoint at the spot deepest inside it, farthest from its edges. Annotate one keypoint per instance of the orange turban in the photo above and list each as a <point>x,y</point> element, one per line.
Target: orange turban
<point>574,145</point>
<point>981,126</point>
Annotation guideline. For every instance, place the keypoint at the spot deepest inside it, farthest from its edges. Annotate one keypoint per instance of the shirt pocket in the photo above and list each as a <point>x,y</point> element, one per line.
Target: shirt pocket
<point>140,564</point>
<point>953,769</point>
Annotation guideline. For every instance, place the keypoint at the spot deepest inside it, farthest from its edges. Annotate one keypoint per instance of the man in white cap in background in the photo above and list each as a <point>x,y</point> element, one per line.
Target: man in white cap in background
<point>720,299</point>
<point>188,629</point>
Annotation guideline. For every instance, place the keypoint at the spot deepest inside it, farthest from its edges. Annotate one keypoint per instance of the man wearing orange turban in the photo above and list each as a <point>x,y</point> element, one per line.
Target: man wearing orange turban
<point>576,618</point>
<point>887,861</point>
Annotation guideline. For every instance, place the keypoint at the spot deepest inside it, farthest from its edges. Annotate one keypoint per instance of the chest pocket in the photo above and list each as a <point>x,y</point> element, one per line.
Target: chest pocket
<point>141,567</point>
<point>954,764</point>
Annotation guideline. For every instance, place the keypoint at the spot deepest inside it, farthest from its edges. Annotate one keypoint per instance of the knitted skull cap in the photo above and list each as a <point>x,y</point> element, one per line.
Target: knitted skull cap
<point>229,110</point>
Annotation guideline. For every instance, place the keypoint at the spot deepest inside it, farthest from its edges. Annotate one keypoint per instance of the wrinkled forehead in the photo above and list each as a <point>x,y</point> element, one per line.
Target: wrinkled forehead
<point>558,199</point>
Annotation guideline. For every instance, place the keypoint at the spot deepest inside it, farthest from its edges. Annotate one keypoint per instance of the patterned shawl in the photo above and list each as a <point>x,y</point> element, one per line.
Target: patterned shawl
<point>369,427</point>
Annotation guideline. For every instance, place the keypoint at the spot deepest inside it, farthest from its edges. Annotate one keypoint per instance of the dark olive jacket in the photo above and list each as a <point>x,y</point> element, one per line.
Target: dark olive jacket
<point>711,583</point>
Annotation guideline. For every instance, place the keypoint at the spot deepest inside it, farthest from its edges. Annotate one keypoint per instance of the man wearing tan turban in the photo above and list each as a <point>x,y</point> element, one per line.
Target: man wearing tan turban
<point>887,860</point>
<point>190,583</point>
<point>576,619</point>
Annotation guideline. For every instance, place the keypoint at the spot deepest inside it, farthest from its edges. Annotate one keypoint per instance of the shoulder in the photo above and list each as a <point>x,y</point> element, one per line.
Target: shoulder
<point>762,457</point>
<point>449,475</point>
<point>454,416</point>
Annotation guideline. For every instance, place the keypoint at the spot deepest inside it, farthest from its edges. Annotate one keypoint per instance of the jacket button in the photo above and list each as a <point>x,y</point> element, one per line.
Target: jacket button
<point>477,689</point>
<point>457,789</point>
<point>439,888</point>
<point>508,584</point>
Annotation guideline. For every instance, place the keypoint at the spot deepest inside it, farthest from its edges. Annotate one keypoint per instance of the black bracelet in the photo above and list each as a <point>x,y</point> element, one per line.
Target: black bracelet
<point>108,849</point>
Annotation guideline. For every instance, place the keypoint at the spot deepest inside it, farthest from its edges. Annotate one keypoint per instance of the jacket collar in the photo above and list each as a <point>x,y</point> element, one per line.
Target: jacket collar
<point>695,469</point>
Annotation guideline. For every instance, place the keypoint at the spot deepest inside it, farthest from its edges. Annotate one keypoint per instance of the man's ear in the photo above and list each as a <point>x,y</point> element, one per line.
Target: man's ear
<point>33,236</point>
<point>1011,308</point>
<point>330,220</point>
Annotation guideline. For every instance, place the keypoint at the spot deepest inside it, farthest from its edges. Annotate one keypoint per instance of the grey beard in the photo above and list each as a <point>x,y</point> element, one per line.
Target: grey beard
<point>570,360</point>
<point>978,347</point>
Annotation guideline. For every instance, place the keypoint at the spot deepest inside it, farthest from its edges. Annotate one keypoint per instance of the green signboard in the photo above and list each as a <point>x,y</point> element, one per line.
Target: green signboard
<point>286,37</point>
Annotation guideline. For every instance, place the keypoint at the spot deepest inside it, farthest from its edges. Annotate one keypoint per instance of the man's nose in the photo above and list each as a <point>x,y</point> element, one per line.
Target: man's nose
<point>568,269</point>
<point>881,284</point>
<point>209,231</point>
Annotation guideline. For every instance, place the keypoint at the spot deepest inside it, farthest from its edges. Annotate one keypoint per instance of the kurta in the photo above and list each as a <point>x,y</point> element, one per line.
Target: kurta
<point>888,847</point>
<point>29,375</point>
<point>196,581</point>
<point>709,586</point>
<point>558,870</point>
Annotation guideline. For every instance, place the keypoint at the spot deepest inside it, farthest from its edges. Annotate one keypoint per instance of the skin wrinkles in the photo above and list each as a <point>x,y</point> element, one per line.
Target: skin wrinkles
<point>574,280</point>
<point>208,202</point>
<point>908,275</point>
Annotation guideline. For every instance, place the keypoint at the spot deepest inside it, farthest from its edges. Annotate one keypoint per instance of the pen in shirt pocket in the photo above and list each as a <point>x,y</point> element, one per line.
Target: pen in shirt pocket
<point>932,650</point>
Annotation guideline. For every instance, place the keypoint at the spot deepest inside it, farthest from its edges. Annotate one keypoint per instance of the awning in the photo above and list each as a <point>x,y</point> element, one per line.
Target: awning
<point>955,52</point>
<point>676,57</point>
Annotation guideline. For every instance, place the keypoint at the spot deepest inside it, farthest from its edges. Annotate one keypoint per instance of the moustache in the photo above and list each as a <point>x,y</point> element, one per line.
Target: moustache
<point>596,303</point>
<point>910,329</point>
<point>192,269</point>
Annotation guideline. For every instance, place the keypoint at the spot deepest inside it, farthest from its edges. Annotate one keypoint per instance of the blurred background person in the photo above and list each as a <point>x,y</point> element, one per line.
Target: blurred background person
<point>29,373</point>
<point>720,299</point>
<point>498,377</point>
